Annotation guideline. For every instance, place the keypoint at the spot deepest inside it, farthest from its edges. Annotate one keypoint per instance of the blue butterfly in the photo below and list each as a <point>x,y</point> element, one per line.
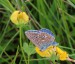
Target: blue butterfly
<point>42,38</point>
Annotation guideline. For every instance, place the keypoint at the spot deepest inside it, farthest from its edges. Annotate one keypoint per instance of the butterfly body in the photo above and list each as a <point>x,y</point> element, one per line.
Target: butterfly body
<point>41,38</point>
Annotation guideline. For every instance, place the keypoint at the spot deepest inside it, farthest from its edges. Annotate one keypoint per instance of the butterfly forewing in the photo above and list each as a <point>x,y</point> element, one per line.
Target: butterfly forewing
<point>33,36</point>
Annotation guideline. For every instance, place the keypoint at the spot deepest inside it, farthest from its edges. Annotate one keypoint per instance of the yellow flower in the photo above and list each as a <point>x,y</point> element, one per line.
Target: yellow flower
<point>46,53</point>
<point>50,50</point>
<point>18,17</point>
<point>63,55</point>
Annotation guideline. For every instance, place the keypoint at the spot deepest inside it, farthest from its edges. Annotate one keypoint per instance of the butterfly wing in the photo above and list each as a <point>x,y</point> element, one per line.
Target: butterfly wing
<point>33,36</point>
<point>47,31</point>
<point>40,38</point>
<point>51,41</point>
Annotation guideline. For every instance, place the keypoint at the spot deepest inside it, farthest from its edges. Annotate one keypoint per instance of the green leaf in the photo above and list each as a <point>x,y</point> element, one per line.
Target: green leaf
<point>8,6</point>
<point>54,57</point>
<point>29,49</point>
<point>73,1</point>
<point>73,5</point>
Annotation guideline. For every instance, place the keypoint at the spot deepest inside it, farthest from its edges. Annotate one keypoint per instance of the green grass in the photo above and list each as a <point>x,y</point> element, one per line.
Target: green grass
<point>56,15</point>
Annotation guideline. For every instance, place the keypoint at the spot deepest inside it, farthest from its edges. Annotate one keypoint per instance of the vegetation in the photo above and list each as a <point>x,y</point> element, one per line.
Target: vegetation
<point>56,15</point>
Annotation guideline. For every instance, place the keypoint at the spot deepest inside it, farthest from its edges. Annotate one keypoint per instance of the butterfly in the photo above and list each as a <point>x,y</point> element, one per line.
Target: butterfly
<point>42,38</point>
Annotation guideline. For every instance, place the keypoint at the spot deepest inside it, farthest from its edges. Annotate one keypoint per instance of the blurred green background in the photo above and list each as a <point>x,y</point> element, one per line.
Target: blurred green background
<point>56,15</point>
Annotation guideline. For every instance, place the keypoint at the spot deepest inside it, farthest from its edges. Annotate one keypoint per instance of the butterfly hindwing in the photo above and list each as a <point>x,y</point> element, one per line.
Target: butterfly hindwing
<point>47,31</point>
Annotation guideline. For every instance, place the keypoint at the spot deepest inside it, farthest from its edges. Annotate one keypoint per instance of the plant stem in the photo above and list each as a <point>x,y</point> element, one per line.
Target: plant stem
<point>28,58</point>
<point>20,28</point>
<point>54,62</point>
